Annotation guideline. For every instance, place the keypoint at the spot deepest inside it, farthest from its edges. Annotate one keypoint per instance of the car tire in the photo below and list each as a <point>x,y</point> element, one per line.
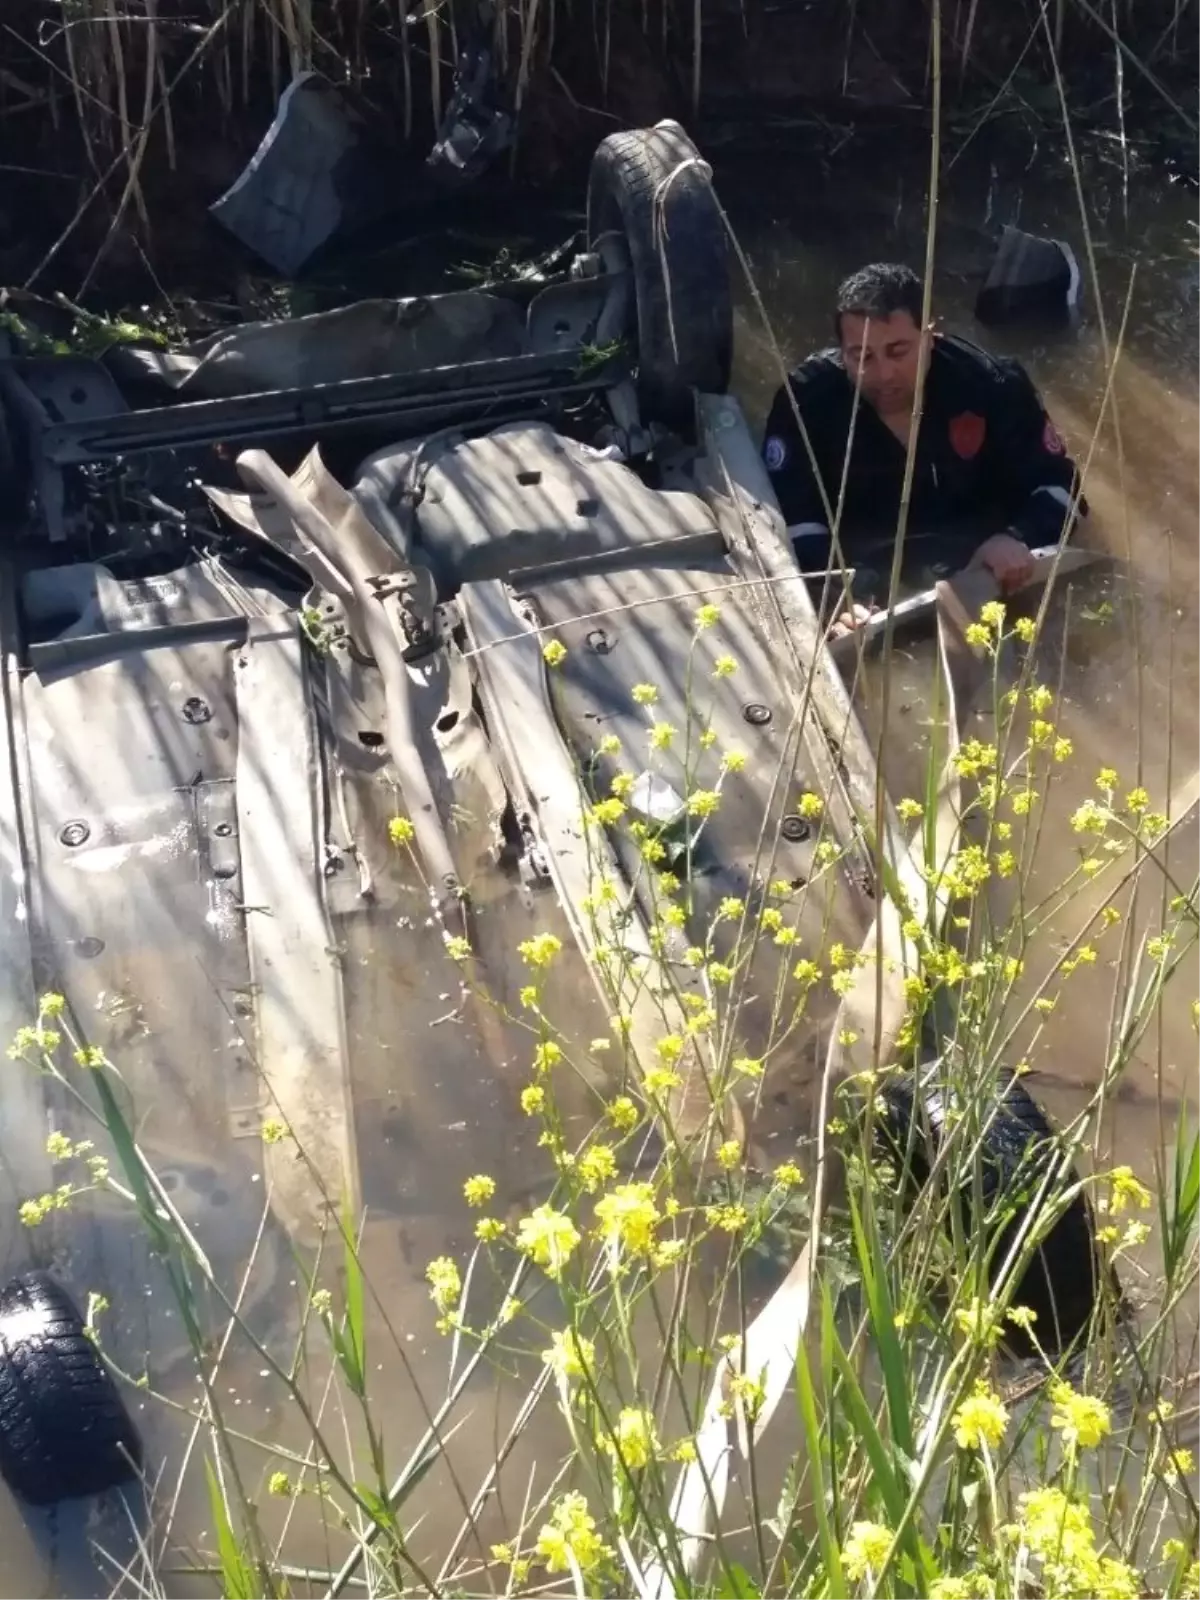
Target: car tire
<point>649,186</point>
<point>64,1429</point>
<point>1062,1283</point>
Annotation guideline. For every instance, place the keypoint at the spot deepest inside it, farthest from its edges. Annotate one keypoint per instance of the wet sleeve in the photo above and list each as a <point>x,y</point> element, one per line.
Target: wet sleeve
<point>1034,477</point>
<point>789,465</point>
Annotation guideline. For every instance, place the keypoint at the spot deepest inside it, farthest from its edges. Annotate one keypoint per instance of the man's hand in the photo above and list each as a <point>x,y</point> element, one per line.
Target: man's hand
<point>1007,558</point>
<point>851,620</point>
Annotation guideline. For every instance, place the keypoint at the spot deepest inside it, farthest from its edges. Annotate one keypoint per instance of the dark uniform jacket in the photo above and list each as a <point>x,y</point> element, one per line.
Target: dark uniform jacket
<point>988,459</point>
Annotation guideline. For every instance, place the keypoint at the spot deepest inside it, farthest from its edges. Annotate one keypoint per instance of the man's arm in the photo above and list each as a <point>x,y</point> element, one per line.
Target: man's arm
<point>790,469</point>
<point>1032,473</point>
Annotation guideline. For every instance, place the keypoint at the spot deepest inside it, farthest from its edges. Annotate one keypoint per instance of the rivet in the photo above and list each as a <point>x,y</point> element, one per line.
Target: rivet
<point>757,714</point>
<point>75,833</point>
<point>196,710</point>
<point>794,828</point>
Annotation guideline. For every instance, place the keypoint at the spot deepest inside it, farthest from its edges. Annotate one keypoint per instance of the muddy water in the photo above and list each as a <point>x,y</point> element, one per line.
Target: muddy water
<point>1130,683</point>
<point>1121,641</point>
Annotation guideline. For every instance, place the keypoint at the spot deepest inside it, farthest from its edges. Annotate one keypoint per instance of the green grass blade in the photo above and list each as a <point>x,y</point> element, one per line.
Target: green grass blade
<point>237,1574</point>
<point>353,1349</point>
<point>830,1552</point>
<point>883,1326</point>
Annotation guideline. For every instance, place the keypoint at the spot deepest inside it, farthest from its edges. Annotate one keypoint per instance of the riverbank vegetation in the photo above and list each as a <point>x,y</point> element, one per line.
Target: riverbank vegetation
<point>110,107</point>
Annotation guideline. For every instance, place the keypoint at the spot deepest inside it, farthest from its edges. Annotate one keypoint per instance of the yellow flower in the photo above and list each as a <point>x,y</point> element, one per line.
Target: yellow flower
<point>719,973</point>
<point>1082,1419</point>
<point>458,948</point>
<point>661,735</point>
<point>747,1066</point>
<point>59,1147</point>
<point>658,1081</point>
<point>810,806</point>
<point>733,761</point>
<point>596,1166</point>
<point>909,810</point>
<point>1178,1463</point>
<point>622,1113</point>
<point>683,1450</point>
<point>554,652</point>
<point>707,616</point>
<point>1025,628</point>
<point>866,1550</point>
<point>1022,802</point>
<point>1137,800</point>
<point>547,1055</point>
<point>729,1154</point>
<point>644,694</point>
<point>806,973</point>
<point>610,745</point>
<point>1006,863</point>
<point>708,738</point>
<point>570,1355</point>
<point>571,1532</point>
<point>980,1420</point>
<point>628,1216</point>
<point>606,813</point>
<point>489,1229</point>
<point>445,1285</point>
<point>1050,1523</point>
<point>977,635</point>
<point>273,1131</point>
<point>533,1099</point>
<point>703,802</point>
<point>992,613</point>
<point>955,1588</point>
<point>401,830</point>
<point>541,950</point>
<point>788,1175</point>
<point>634,1439</point>
<point>731,908</point>
<point>724,667</point>
<point>1040,699</point>
<point>1107,779</point>
<point>978,1322</point>
<point>479,1189</point>
<point>729,1218</point>
<point>548,1238</point>
<point>1126,1190</point>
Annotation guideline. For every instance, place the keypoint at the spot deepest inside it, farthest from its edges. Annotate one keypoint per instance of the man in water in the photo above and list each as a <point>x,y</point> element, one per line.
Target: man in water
<point>991,476</point>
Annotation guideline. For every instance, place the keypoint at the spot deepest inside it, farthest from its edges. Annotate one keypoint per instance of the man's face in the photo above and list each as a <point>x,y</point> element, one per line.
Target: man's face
<point>882,354</point>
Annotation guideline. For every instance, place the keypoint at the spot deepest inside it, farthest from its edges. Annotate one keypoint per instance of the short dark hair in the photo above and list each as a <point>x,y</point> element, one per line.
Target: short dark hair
<point>880,290</point>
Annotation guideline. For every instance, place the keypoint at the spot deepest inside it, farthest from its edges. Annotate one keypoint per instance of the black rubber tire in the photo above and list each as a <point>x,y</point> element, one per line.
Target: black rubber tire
<point>679,257</point>
<point>64,1429</point>
<point>1062,1283</point>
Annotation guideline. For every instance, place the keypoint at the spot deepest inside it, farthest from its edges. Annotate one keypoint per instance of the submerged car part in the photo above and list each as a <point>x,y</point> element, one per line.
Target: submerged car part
<point>1031,280</point>
<point>313,176</point>
<point>64,1430</point>
<point>478,124</point>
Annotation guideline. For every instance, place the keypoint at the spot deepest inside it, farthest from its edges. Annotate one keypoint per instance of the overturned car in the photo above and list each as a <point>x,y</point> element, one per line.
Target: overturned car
<point>294,755</point>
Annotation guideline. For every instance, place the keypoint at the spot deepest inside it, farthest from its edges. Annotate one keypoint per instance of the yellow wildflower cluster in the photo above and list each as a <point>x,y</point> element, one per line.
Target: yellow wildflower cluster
<point>634,1439</point>
<point>1082,1419</point>
<point>628,1216</point>
<point>866,1549</point>
<point>548,1237</point>
<point>1059,1532</point>
<point>570,1538</point>
<point>981,1420</point>
<point>570,1355</point>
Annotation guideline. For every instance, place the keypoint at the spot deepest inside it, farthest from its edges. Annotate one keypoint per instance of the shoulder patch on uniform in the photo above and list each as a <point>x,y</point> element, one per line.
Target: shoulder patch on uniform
<point>1052,440</point>
<point>967,432</point>
<point>775,453</point>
